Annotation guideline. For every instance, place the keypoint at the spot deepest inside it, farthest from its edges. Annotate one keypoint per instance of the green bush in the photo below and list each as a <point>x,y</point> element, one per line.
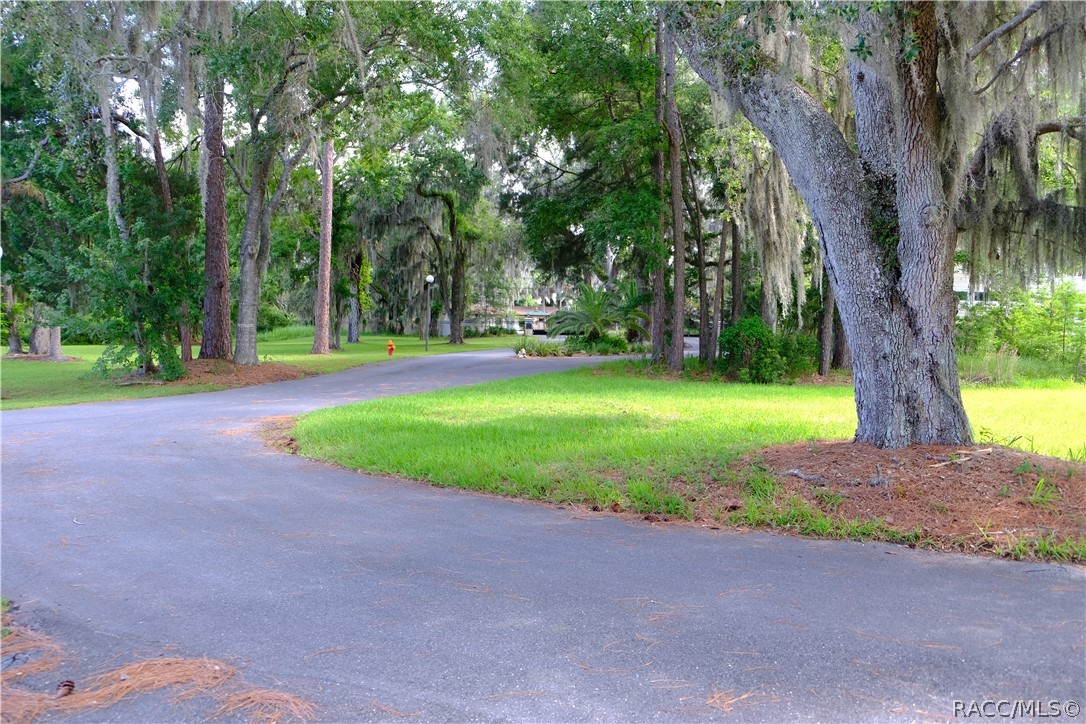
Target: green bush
<point>272,317</point>
<point>1048,324</point>
<point>750,352</point>
<point>541,348</point>
<point>607,344</point>
<point>800,353</point>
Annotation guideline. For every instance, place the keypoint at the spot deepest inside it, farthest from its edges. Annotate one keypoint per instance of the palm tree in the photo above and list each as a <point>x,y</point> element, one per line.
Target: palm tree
<point>629,300</point>
<point>594,312</point>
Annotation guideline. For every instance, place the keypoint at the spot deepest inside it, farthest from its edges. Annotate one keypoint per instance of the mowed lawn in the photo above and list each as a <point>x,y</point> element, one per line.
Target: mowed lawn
<point>25,383</point>
<point>583,436</point>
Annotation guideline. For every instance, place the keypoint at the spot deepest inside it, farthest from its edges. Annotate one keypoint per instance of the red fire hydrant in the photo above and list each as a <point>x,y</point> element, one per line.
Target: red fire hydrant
<point>391,348</point>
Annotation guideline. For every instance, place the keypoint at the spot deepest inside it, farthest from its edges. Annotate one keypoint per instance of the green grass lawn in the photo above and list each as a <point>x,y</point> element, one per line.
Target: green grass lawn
<point>26,383</point>
<point>584,436</point>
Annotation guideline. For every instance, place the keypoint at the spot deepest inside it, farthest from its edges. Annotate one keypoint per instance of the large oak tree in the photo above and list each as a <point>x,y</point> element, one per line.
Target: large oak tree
<point>888,205</point>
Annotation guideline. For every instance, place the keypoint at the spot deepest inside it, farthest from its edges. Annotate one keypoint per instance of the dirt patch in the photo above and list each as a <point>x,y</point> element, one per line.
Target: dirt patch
<point>278,432</point>
<point>228,374</point>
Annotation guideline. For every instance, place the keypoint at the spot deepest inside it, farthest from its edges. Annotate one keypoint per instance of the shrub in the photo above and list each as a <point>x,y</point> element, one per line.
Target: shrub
<point>594,312</point>
<point>272,317</point>
<point>800,353</point>
<point>607,344</point>
<point>750,352</point>
<point>541,348</point>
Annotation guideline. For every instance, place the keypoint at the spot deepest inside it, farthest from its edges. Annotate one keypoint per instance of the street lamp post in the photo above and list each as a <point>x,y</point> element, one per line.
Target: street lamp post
<point>429,307</point>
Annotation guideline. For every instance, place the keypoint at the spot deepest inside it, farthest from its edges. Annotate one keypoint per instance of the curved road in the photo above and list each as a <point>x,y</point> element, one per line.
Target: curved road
<point>166,527</point>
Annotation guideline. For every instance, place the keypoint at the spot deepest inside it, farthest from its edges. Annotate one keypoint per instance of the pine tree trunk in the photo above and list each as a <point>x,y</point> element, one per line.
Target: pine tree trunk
<point>658,319</point>
<point>324,263</point>
<point>15,342</point>
<point>215,340</point>
<point>676,358</point>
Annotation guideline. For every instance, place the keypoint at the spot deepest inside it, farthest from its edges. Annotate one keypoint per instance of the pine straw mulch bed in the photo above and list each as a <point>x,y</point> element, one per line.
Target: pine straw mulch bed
<point>228,374</point>
<point>29,654</point>
<point>986,499</point>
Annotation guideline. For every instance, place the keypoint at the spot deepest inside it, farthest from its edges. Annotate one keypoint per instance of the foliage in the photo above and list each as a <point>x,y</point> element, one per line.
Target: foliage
<point>492,331</point>
<point>272,317</point>
<point>533,347</point>
<point>1046,323</point>
<point>588,192</point>
<point>605,345</point>
<point>594,312</point>
<point>751,352</point>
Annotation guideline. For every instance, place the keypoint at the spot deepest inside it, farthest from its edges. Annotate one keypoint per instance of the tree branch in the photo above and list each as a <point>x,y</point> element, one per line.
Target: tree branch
<point>1003,30</point>
<point>277,89</point>
<point>33,162</point>
<point>237,173</point>
<point>1073,127</point>
<point>1028,47</point>
<point>184,149</point>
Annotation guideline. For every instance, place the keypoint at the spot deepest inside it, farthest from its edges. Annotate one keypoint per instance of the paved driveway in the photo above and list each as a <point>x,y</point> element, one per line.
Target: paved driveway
<point>165,527</point>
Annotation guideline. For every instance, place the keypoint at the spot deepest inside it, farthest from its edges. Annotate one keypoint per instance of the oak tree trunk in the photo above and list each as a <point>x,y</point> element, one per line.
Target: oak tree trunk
<point>458,298</point>
<point>887,235</point>
<point>842,355</point>
<point>15,342</point>
<point>249,271</point>
<point>255,246</point>
<point>324,263</point>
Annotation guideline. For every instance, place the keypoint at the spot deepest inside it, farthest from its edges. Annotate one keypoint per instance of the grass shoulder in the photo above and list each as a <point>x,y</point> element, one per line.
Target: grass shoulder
<point>618,439</point>
<point>284,353</point>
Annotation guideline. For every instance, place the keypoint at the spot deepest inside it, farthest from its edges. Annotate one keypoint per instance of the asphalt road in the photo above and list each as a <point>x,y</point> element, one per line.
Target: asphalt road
<point>166,527</point>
